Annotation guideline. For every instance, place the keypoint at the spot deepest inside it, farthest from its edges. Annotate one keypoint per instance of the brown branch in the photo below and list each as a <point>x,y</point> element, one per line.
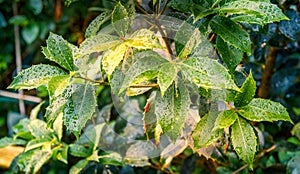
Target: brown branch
<point>20,96</point>
<point>263,91</point>
<point>18,55</point>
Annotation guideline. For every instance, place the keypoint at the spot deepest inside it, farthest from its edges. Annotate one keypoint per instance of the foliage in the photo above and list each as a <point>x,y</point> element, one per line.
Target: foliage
<point>139,64</point>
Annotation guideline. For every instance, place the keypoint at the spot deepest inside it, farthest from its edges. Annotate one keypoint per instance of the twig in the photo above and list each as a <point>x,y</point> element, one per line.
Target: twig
<point>18,55</point>
<point>145,86</point>
<point>20,96</point>
<point>258,157</point>
<point>263,91</point>
<point>163,10</point>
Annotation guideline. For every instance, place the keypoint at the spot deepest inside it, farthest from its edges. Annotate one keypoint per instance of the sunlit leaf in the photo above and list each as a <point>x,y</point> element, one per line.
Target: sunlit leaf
<point>172,109</point>
<point>244,140</point>
<point>98,43</point>
<point>231,33</point>
<point>112,58</point>
<point>296,130</point>
<point>111,158</point>
<point>143,39</point>
<point>35,76</point>
<point>231,56</point>
<point>264,110</point>
<point>35,111</point>
<point>79,151</point>
<point>59,51</point>
<point>37,142</point>
<point>166,76</point>
<point>247,92</point>
<point>207,73</point>
<point>146,61</point>
<point>37,160</point>
<point>38,128</point>
<point>120,20</point>
<point>95,25</point>
<point>204,135</point>
<point>225,119</point>
<point>57,85</point>
<point>58,125</point>
<point>78,166</point>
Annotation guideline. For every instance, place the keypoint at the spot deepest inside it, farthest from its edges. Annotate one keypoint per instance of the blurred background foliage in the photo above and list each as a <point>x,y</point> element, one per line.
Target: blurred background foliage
<point>278,42</point>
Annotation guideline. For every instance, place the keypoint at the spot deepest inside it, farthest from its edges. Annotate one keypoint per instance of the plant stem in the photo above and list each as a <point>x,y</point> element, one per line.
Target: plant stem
<point>18,55</point>
<point>263,91</point>
<point>20,96</point>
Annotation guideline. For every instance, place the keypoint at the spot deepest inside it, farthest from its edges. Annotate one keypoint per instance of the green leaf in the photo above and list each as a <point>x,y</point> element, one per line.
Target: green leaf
<point>63,155</point>
<point>186,39</point>
<point>264,110</point>
<point>262,12</point>
<point>95,25</point>
<point>98,43</point>
<point>36,6</point>
<point>120,20</point>
<point>7,141</point>
<point>231,56</point>
<point>19,20</point>
<point>79,151</point>
<point>143,79</point>
<point>247,92</point>
<point>57,85</point>
<point>146,61</point>
<point>35,76</point>
<point>59,51</point>
<point>166,76</point>
<point>143,39</point>
<point>111,158</point>
<point>207,73</point>
<point>225,119</point>
<point>58,126</point>
<point>172,109</point>
<point>293,166</point>
<point>78,166</point>
<point>244,140</point>
<point>231,33</point>
<point>37,142</point>
<point>35,111</point>
<point>21,129</point>
<point>30,32</point>
<point>149,117</point>
<point>204,135</point>
<point>38,128</point>
<point>296,130</point>
<point>112,58</point>
<point>80,107</point>
<point>37,160</point>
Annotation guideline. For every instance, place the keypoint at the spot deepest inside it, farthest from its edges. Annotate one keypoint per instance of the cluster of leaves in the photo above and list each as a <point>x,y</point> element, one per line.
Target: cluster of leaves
<point>132,63</point>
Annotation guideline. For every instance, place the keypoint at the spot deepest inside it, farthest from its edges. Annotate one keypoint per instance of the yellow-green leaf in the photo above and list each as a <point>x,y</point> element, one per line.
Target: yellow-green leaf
<point>95,25</point>
<point>166,76</point>
<point>120,19</point>
<point>143,39</point>
<point>225,119</point>
<point>247,92</point>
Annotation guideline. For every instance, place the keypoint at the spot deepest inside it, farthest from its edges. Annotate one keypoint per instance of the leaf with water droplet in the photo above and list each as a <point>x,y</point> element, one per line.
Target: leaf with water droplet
<point>146,61</point>
<point>207,73</point>
<point>244,140</point>
<point>166,76</point>
<point>120,20</point>
<point>172,109</point>
<point>59,51</point>
<point>247,92</point>
<point>225,119</point>
<point>95,25</point>
<point>231,33</point>
<point>231,56</point>
<point>143,39</point>
<point>264,110</point>
<point>204,135</point>
<point>35,76</point>
<point>255,12</point>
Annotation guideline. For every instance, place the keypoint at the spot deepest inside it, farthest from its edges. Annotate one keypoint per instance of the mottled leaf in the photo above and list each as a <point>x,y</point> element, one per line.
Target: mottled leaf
<point>204,135</point>
<point>37,142</point>
<point>264,110</point>
<point>112,58</point>
<point>231,33</point>
<point>95,25</point>
<point>38,128</point>
<point>7,141</point>
<point>79,151</point>
<point>120,20</point>
<point>207,73</point>
<point>172,109</point>
<point>231,56</point>
<point>57,85</point>
<point>225,119</point>
<point>146,61</point>
<point>58,125</point>
<point>244,140</point>
<point>35,76</point>
<point>264,12</point>
<point>37,160</point>
<point>59,51</point>
<point>78,166</point>
<point>111,158</point>
<point>98,43</point>
<point>143,39</point>
<point>247,92</point>
<point>166,76</point>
